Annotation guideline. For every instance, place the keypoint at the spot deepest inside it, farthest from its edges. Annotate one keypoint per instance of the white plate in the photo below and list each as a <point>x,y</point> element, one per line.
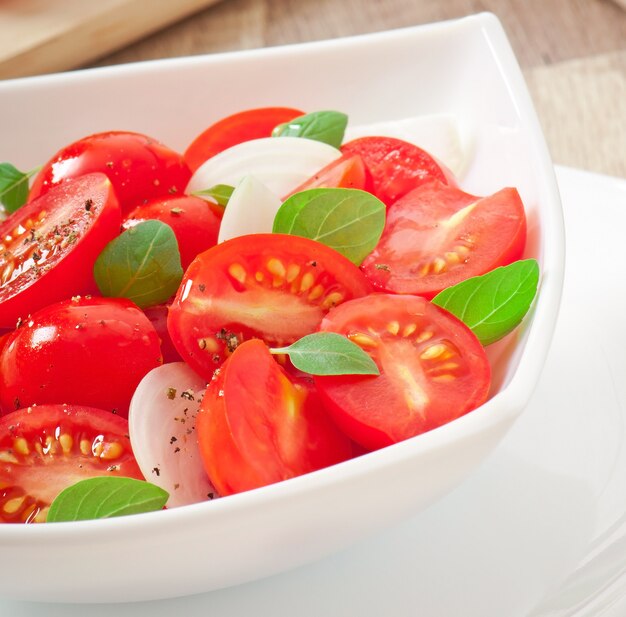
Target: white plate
<point>514,531</point>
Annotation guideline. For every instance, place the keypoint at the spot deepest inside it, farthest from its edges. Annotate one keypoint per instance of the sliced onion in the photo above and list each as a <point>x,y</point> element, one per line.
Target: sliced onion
<point>280,163</point>
<point>251,210</point>
<point>161,424</point>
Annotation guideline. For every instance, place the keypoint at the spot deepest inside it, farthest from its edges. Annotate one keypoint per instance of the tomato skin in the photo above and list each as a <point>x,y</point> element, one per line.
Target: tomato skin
<point>395,166</point>
<point>139,167</point>
<point>270,286</point>
<point>158,318</point>
<point>84,351</point>
<point>195,222</point>
<point>235,129</point>
<point>432,369</point>
<point>50,447</point>
<point>346,172</point>
<point>258,425</point>
<point>66,229</point>
<point>437,236</point>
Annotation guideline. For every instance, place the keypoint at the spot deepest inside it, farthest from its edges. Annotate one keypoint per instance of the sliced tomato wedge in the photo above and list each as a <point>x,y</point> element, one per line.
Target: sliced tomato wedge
<point>194,221</point>
<point>48,247</point>
<point>47,448</point>
<point>432,369</point>
<point>235,129</point>
<point>258,425</point>
<point>270,286</point>
<point>139,167</point>
<point>395,166</point>
<point>346,172</point>
<point>437,236</point>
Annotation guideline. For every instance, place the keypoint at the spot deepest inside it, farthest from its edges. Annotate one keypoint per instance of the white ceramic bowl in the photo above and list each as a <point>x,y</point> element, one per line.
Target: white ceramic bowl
<point>464,67</point>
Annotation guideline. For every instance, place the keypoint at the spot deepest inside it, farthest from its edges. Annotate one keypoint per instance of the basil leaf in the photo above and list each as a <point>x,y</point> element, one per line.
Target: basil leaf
<point>326,126</point>
<point>492,305</point>
<point>350,221</point>
<point>221,193</point>
<point>14,186</point>
<point>142,264</point>
<point>105,497</point>
<point>328,353</point>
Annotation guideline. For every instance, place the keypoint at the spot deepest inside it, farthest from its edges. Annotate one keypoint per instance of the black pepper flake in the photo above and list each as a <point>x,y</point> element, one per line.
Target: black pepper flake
<point>188,394</point>
<point>313,264</point>
<point>176,450</point>
<point>176,486</point>
<point>113,468</point>
<point>172,190</point>
<point>88,204</point>
<point>229,338</point>
<point>210,495</point>
<point>173,439</point>
<point>109,164</point>
<point>202,287</point>
<point>16,403</point>
<point>156,471</point>
<point>171,393</point>
<point>36,256</point>
<point>384,267</point>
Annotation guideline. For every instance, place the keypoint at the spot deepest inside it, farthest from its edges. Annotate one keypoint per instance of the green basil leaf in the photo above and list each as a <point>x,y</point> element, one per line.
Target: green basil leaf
<point>142,264</point>
<point>493,304</point>
<point>328,353</point>
<point>221,193</point>
<point>14,186</point>
<point>105,497</point>
<point>326,126</point>
<point>350,221</point>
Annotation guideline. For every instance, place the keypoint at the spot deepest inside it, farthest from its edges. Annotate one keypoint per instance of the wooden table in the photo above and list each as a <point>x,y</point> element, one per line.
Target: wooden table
<point>573,53</point>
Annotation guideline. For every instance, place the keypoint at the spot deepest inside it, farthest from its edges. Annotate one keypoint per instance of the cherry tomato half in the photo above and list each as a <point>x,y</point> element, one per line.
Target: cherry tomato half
<point>48,247</point>
<point>139,167</point>
<point>437,236</point>
<point>395,166</point>
<point>258,425</point>
<point>235,129</point>
<point>270,286</point>
<point>195,222</point>
<point>47,448</point>
<point>432,369</point>
<point>346,172</point>
<point>84,351</point>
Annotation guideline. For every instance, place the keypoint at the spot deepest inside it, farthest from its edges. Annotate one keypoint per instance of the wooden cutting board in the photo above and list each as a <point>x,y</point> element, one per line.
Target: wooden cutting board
<point>42,36</point>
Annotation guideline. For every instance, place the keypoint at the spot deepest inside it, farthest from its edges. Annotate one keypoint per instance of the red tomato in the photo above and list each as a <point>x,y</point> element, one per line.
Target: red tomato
<point>84,351</point>
<point>432,369</point>
<point>258,425</point>
<point>49,246</point>
<point>395,166</point>
<point>346,172</point>
<point>47,448</point>
<point>235,129</point>
<point>195,222</point>
<point>139,167</point>
<point>158,318</point>
<point>437,236</point>
<point>270,286</point>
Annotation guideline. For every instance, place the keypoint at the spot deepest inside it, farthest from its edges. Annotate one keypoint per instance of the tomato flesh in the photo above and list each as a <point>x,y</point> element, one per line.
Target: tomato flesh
<point>139,167</point>
<point>395,166</point>
<point>194,221</point>
<point>47,448</point>
<point>235,129</point>
<point>346,172</point>
<point>432,369</point>
<point>49,246</point>
<point>270,286</point>
<point>437,236</point>
<point>87,351</point>
<point>258,425</point>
